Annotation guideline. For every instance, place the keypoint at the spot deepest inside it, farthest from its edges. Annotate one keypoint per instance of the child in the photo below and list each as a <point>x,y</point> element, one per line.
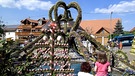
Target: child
<point>102,66</point>
<point>85,69</point>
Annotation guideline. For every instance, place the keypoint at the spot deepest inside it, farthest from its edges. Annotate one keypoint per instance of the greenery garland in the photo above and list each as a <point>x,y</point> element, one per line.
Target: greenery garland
<point>79,17</point>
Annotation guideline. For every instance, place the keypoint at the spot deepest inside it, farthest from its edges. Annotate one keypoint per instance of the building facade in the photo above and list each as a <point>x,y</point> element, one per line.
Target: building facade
<point>29,29</point>
<point>9,32</point>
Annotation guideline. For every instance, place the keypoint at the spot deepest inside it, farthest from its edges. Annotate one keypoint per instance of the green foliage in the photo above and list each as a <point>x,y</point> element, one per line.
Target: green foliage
<point>133,32</point>
<point>127,32</point>
<point>118,28</point>
<point>7,59</point>
<point>1,29</point>
<point>115,34</point>
<point>122,54</point>
<point>112,36</point>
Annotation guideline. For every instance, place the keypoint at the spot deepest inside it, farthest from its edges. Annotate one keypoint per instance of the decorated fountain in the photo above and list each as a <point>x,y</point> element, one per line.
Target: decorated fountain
<point>49,54</point>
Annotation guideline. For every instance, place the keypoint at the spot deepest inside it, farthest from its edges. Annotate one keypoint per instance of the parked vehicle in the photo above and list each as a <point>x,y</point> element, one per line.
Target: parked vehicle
<point>125,39</point>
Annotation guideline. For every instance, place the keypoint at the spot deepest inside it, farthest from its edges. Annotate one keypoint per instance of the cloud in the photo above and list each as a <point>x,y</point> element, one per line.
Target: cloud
<point>28,4</point>
<point>122,7</point>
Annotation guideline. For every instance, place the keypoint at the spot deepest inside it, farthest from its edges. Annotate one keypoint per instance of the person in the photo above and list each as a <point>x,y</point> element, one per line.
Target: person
<point>102,66</point>
<point>120,45</point>
<point>94,54</point>
<point>108,45</point>
<point>85,69</point>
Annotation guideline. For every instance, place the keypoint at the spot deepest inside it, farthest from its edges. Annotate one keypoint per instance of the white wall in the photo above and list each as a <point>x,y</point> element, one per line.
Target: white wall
<point>10,35</point>
<point>88,45</point>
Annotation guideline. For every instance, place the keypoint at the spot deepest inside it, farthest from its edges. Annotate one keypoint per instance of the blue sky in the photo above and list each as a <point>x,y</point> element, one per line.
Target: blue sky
<point>13,11</point>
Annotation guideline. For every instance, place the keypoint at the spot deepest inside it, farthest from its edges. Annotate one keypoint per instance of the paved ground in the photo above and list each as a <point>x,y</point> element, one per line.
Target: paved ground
<point>131,57</point>
<point>127,50</point>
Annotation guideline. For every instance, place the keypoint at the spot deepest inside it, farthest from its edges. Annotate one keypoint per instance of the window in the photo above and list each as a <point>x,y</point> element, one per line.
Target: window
<point>103,31</point>
<point>40,22</point>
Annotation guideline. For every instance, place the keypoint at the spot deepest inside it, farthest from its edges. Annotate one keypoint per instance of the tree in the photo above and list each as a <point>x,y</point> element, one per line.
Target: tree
<point>132,51</point>
<point>118,28</point>
<point>8,57</point>
<point>1,27</point>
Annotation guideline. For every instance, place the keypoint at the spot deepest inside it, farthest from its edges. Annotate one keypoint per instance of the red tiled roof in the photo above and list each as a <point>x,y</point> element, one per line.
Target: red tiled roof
<point>30,20</point>
<point>133,29</point>
<point>94,26</point>
<point>24,26</point>
<point>28,26</point>
<point>39,26</point>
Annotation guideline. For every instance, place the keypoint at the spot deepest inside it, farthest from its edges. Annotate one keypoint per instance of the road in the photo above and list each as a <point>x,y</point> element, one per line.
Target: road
<point>127,50</point>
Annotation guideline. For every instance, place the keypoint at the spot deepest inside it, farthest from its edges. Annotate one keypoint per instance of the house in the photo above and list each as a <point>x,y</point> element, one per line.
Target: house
<point>29,29</point>
<point>132,30</point>
<point>100,29</point>
<point>10,32</point>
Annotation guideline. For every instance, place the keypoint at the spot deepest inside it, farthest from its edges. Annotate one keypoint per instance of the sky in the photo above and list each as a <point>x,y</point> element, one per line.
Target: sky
<point>13,11</point>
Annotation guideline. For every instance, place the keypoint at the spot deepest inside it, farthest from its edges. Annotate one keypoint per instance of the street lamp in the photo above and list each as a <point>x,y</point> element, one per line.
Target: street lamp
<point>111,25</point>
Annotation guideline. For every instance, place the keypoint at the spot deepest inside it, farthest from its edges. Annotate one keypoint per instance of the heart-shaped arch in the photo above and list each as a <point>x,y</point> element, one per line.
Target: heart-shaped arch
<point>79,17</point>
<point>55,10</point>
<point>66,13</point>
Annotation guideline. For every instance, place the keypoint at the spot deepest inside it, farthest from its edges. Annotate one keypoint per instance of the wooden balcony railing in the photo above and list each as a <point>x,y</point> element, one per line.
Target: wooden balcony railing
<point>102,34</point>
<point>28,33</point>
<point>21,40</point>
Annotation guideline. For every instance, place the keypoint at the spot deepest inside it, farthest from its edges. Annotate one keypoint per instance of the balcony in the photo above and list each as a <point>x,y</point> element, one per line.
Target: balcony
<point>28,33</point>
<point>100,35</point>
<point>21,40</point>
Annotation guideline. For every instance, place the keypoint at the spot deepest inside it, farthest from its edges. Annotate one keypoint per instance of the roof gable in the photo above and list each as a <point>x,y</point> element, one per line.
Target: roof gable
<point>29,20</point>
<point>102,28</point>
